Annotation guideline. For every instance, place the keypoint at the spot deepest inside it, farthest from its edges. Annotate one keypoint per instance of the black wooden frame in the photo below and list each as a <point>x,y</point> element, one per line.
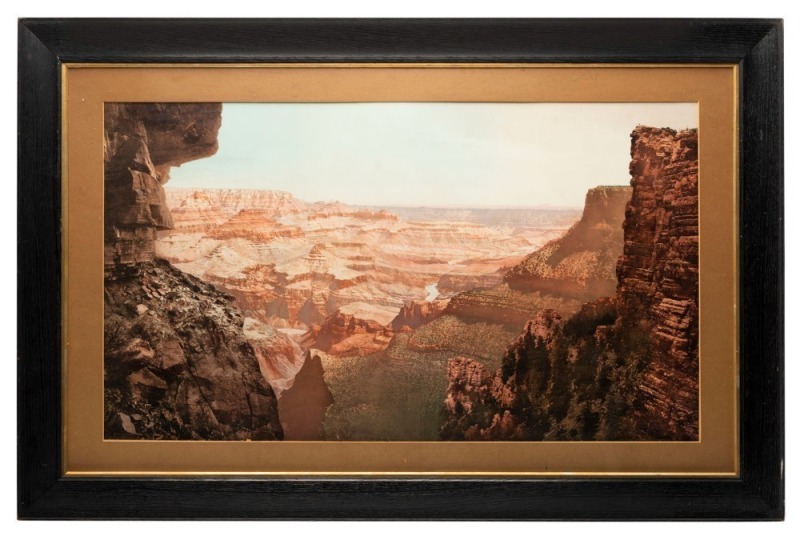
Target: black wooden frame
<point>755,45</point>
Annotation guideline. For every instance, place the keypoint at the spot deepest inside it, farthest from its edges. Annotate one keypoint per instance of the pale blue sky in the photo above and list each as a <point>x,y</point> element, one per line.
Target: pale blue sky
<point>434,154</point>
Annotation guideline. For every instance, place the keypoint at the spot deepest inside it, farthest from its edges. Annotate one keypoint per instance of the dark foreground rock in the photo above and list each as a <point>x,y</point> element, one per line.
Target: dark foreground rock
<point>177,363</point>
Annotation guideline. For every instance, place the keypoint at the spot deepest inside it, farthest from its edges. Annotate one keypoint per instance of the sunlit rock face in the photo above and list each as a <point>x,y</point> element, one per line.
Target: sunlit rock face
<point>292,263</point>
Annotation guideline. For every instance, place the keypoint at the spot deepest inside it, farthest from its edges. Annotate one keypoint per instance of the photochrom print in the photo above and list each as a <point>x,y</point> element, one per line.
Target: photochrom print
<point>401,271</point>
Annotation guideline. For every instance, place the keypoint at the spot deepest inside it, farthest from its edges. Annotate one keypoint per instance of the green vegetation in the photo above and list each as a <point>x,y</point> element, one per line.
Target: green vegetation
<point>478,340</point>
<point>575,382</point>
<point>397,394</point>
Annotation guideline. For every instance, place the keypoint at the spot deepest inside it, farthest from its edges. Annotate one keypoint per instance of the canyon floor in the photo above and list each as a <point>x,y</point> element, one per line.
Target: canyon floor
<point>348,307</point>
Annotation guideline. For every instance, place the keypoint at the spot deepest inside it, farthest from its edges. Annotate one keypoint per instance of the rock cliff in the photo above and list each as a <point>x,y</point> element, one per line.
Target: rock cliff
<point>623,367</point>
<point>304,404</point>
<point>177,362</point>
<point>658,276</point>
<point>504,305</point>
<point>581,263</point>
<point>141,143</point>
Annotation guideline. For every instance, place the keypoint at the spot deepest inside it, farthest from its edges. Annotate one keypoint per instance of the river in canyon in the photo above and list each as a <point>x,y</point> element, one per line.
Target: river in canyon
<point>433,291</point>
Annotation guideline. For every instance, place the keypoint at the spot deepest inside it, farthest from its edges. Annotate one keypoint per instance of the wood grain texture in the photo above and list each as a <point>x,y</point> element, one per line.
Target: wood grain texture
<point>755,44</point>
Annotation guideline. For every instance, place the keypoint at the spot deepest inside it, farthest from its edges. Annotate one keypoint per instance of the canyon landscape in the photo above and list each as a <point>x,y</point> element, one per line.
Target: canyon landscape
<point>265,310</point>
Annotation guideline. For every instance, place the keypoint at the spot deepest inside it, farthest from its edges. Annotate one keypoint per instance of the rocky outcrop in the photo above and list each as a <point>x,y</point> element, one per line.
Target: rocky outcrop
<point>142,141</point>
<point>581,263</point>
<point>513,402</point>
<point>564,273</point>
<point>658,277</point>
<point>416,313</point>
<point>255,225</point>
<point>177,364</point>
<point>345,335</point>
<point>621,368</point>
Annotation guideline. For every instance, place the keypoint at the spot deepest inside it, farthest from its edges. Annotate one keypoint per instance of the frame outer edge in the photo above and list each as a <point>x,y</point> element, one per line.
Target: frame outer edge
<point>44,494</point>
<point>762,396</point>
<point>39,272</point>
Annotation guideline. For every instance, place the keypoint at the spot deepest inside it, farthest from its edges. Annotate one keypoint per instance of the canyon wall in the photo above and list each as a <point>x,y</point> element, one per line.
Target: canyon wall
<point>581,263</point>
<point>658,276</point>
<point>142,142</point>
<point>291,263</point>
<point>623,367</point>
<point>177,362</point>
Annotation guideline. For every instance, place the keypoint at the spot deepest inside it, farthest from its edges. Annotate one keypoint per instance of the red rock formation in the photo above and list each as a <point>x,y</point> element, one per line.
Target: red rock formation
<point>325,256</point>
<point>343,335</point>
<point>416,313</point>
<point>658,276</point>
<point>581,263</point>
<point>511,403</point>
<point>255,225</point>
<point>357,214</point>
<point>196,213</point>
<point>142,141</point>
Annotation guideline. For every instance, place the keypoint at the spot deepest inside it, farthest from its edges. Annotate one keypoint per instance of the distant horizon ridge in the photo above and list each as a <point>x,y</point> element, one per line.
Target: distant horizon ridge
<point>543,206</point>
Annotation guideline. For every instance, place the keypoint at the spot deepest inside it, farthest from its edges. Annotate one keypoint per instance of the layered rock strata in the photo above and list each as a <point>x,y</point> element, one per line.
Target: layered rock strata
<point>506,306</point>
<point>292,263</point>
<point>624,367</point>
<point>658,276</point>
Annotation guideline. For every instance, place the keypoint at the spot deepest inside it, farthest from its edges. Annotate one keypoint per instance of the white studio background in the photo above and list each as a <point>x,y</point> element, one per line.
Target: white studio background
<point>11,10</point>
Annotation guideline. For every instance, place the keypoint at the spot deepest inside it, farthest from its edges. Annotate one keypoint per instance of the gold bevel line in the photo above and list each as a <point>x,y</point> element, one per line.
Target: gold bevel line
<point>64,264</point>
<point>397,65</point>
<point>498,474</point>
<point>409,474</point>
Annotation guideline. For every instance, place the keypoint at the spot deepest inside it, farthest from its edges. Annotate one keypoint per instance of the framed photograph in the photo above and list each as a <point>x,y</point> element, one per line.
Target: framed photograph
<point>382,269</point>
